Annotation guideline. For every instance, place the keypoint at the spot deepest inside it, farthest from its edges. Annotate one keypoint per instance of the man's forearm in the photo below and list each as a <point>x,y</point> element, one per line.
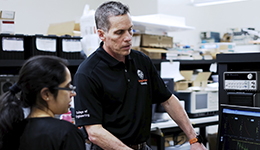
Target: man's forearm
<point>179,115</point>
<point>104,139</point>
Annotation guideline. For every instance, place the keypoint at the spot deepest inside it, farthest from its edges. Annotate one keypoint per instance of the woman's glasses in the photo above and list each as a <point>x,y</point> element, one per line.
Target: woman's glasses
<point>70,88</point>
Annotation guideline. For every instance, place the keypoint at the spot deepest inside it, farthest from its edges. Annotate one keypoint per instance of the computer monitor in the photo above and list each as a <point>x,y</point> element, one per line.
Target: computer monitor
<point>239,128</point>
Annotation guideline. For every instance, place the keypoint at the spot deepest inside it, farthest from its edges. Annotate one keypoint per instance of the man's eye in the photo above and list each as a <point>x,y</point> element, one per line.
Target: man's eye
<point>119,32</point>
<point>131,31</point>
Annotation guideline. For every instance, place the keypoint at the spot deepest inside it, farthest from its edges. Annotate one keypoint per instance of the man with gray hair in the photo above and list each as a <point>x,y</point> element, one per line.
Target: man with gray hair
<point>116,87</point>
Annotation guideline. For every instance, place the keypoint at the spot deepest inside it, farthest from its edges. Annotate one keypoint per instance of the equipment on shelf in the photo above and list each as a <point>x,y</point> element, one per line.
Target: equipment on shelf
<point>242,87</point>
<point>238,127</point>
<point>200,104</point>
<point>6,81</point>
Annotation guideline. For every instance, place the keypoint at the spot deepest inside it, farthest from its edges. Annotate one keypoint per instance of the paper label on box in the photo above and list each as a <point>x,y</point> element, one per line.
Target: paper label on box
<point>12,44</point>
<point>71,45</point>
<point>46,44</point>
<point>7,14</point>
<point>7,27</point>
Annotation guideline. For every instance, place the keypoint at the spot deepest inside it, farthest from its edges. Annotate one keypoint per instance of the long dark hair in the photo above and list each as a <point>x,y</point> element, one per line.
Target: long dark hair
<point>36,73</point>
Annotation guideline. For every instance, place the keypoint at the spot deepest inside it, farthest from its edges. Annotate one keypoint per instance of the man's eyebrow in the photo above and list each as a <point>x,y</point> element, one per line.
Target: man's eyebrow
<point>125,29</point>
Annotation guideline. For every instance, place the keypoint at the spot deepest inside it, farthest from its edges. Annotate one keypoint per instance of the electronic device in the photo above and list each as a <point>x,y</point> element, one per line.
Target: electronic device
<point>238,128</point>
<point>251,31</point>
<point>210,37</point>
<point>200,104</point>
<point>243,87</point>
<point>241,81</point>
<point>6,81</point>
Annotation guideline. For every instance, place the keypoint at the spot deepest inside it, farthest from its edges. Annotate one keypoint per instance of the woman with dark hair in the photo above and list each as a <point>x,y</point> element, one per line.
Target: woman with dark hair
<point>44,85</point>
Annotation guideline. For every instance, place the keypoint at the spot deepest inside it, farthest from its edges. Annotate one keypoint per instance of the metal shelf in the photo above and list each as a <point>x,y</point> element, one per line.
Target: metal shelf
<point>238,58</point>
<point>184,62</point>
<point>19,63</point>
<point>11,63</point>
<point>13,66</point>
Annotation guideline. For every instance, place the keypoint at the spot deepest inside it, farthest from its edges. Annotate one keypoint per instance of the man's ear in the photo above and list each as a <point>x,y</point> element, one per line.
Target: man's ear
<point>101,34</point>
<point>45,94</point>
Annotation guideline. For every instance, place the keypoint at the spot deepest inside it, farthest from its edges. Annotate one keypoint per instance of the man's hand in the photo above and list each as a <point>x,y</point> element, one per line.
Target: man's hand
<point>197,146</point>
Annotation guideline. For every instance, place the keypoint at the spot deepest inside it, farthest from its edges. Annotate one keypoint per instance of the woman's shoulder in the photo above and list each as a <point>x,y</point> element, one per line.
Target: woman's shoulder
<point>51,123</point>
<point>51,126</point>
<point>63,122</point>
<point>55,130</point>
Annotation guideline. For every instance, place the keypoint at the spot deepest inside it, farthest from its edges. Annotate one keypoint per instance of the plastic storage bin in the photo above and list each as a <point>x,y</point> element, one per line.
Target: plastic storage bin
<point>13,46</point>
<point>69,47</point>
<point>43,45</point>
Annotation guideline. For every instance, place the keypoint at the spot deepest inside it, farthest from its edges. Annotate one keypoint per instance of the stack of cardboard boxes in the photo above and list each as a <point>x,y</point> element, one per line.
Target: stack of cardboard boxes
<point>152,45</point>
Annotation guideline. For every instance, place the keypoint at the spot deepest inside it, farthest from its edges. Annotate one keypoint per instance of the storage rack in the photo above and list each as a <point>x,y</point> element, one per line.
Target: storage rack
<point>235,62</point>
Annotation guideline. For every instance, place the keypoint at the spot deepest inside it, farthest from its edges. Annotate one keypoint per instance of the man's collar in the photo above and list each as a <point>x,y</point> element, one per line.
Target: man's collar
<point>111,61</point>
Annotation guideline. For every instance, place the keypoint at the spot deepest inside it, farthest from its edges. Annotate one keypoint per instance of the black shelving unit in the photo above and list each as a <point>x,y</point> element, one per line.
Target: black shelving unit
<point>187,64</point>
<point>13,66</point>
<point>19,63</point>
<point>10,66</point>
<point>76,62</point>
<point>235,62</point>
<point>186,61</point>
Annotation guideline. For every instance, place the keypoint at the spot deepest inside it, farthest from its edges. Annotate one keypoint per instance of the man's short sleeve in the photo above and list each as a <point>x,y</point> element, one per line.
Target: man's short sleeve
<point>88,108</point>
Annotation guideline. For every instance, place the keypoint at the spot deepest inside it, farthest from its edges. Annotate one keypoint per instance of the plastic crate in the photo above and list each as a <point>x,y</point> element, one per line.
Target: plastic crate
<point>69,47</point>
<point>43,45</point>
<point>13,46</point>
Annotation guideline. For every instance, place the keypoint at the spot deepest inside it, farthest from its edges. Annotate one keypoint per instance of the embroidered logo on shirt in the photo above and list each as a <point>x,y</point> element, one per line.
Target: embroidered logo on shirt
<point>141,76</point>
<point>82,114</point>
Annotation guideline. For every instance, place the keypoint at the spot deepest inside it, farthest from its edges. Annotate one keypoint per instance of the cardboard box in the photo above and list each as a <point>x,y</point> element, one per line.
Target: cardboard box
<point>7,15</point>
<point>168,140</point>
<point>7,26</point>
<point>157,41</point>
<point>201,79</point>
<point>184,84</point>
<point>64,28</point>
<point>153,53</point>
<point>136,48</point>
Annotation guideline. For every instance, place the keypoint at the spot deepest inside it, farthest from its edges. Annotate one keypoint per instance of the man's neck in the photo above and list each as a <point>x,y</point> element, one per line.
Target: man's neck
<point>120,58</point>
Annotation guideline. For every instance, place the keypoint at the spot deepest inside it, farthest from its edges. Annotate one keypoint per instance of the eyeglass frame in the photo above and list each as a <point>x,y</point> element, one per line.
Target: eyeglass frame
<point>72,88</point>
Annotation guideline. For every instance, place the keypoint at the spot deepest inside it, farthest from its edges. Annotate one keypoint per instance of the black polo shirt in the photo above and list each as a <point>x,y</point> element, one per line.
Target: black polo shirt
<point>118,95</point>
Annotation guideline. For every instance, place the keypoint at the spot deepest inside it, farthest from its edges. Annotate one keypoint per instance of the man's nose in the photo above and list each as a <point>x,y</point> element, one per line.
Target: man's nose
<point>128,36</point>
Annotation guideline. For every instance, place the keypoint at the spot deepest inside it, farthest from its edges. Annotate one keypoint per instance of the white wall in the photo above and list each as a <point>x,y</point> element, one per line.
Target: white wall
<point>34,16</point>
<point>211,18</point>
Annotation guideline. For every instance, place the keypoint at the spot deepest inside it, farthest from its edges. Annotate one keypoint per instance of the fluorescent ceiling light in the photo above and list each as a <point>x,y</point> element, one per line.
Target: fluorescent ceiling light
<point>213,2</point>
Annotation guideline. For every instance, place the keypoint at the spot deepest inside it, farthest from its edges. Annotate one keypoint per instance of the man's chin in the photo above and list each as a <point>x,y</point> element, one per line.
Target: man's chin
<point>127,52</point>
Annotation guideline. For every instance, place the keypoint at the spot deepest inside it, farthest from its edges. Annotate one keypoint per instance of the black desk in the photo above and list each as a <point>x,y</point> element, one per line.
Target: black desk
<point>158,130</point>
